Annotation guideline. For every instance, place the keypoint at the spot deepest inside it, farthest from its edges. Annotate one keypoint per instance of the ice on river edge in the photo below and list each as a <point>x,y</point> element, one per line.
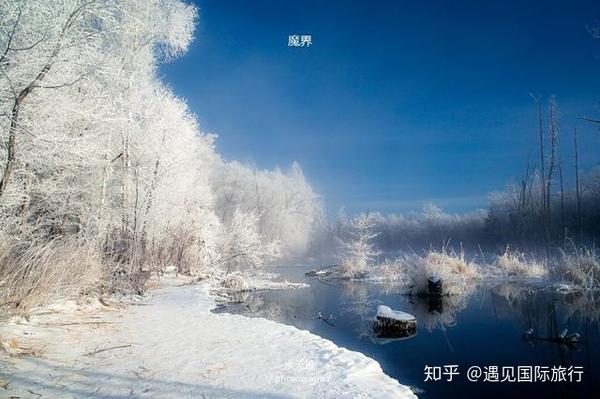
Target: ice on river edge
<point>178,348</point>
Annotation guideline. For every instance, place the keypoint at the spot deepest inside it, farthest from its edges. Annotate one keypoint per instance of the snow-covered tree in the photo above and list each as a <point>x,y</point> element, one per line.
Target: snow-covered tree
<point>96,150</point>
<point>244,245</point>
<point>358,250</point>
<point>287,207</point>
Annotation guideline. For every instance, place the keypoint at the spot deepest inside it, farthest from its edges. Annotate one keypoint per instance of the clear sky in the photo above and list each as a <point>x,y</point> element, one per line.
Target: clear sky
<point>396,103</point>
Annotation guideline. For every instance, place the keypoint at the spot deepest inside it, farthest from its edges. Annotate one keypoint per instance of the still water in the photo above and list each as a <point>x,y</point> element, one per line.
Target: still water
<point>482,328</point>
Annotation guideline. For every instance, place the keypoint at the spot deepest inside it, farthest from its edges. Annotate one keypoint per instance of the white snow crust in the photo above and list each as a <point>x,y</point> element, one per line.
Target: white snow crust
<point>388,313</point>
<point>170,345</point>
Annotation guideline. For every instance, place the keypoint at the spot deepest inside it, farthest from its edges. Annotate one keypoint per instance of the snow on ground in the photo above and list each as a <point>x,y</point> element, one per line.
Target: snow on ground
<point>171,345</point>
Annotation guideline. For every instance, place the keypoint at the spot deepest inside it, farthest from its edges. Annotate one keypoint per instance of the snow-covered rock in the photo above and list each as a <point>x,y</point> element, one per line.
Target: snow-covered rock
<point>390,323</point>
<point>386,312</point>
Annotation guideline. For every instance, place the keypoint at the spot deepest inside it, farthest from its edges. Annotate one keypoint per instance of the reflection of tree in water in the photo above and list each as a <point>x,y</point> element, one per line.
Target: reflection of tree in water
<point>548,313</point>
<point>513,293</point>
<point>511,300</point>
<point>258,308</point>
<point>432,312</point>
<point>296,307</point>
<point>584,306</point>
<point>252,304</point>
<point>356,302</point>
<point>533,304</point>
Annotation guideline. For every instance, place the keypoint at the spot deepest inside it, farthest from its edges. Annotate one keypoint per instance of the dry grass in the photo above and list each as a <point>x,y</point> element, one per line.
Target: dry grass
<point>413,272</point>
<point>455,272</point>
<point>582,268</point>
<point>352,269</point>
<point>34,274</point>
<point>514,263</point>
<point>393,271</point>
<point>12,347</point>
<point>450,262</point>
<point>235,282</point>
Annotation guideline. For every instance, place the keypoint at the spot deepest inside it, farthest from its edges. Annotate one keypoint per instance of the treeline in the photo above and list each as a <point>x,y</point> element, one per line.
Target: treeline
<point>540,213</point>
<point>541,208</point>
<point>419,230</point>
<point>521,217</point>
<point>508,221</point>
<point>98,154</point>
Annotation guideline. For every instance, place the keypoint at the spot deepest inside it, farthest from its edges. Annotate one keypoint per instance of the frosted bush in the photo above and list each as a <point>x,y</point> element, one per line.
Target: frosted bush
<point>352,269</point>
<point>451,268</point>
<point>393,270</point>
<point>235,282</point>
<point>393,275</point>
<point>582,267</point>
<point>514,263</point>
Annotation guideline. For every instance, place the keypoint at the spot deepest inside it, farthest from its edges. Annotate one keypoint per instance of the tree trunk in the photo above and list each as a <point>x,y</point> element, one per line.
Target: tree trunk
<point>105,174</point>
<point>14,122</point>
<point>542,160</point>
<point>12,136</point>
<point>125,181</point>
<point>577,184</point>
<point>562,199</point>
<point>553,152</point>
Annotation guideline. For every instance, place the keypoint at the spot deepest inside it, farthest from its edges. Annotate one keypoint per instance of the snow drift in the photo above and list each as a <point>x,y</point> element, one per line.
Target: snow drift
<point>171,345</point>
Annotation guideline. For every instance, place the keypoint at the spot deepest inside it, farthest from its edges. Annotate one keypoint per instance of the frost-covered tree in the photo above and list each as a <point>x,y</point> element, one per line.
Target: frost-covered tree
<point>96,152</point>
<point>287,207</point>
<point>242,244</point>
<point>44,46</point>
<point>357,250</point>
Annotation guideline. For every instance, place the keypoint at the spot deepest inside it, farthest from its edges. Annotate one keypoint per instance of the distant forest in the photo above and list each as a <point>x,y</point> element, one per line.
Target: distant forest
<point>539,212</point>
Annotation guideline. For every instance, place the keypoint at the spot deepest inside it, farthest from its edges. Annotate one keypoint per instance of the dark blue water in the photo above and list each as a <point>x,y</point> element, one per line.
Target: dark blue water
<point>484,328</point>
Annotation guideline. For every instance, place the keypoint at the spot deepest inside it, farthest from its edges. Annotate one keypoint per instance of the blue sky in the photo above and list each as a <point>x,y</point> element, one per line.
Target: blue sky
<point>396,103</point>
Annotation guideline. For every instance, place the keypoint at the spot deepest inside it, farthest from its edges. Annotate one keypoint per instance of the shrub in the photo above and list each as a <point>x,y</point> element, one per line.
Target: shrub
<point>450,267</point>
<point>235,282</point>
<point>582,268</point>
<point>36,273</point>
<point>393,270</point>
<point>514,263</point>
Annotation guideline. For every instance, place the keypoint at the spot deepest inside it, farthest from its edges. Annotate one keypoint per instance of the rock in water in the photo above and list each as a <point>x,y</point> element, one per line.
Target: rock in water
<point>393,323</point>
<point>434,286</point>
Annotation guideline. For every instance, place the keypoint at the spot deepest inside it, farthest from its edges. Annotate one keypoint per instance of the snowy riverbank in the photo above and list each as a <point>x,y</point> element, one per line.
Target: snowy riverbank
<point>171,345</point>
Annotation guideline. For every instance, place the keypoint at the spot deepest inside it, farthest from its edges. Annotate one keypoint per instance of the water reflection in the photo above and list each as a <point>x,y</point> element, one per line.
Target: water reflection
<point>439,312</point>
<point>252,304</point>
<point>584,305</point>
<point>358,305</point>
<point>483,326</point>
<point>543,307</point>
<point>533,306</point>
<point>432,312</point>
